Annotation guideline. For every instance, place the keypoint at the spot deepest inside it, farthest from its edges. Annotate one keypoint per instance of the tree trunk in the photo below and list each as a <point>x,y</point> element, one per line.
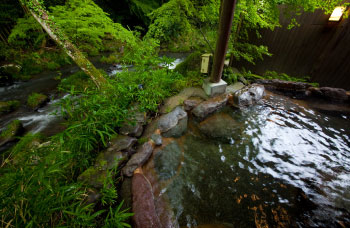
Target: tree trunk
<point>40,14</point>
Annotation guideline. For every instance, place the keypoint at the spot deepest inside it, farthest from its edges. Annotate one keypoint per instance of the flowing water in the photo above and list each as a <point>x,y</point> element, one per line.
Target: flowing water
<point>284,165</point>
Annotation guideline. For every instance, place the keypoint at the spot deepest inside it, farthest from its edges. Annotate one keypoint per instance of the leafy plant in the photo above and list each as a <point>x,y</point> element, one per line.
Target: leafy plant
<point>117,217</point>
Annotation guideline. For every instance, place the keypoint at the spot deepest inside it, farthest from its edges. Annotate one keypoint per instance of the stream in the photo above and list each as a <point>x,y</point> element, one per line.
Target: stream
<point>46,120</point>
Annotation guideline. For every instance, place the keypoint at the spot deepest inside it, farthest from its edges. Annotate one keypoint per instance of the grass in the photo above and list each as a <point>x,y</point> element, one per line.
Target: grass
<point>9,106</point>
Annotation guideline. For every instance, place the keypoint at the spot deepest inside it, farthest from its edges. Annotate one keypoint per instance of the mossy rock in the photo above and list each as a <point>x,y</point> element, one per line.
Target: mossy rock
<point>93,176</point>
<point>37,100</point>
<point>191,63</point>
<point>8,106</point>
<point>13,129</point>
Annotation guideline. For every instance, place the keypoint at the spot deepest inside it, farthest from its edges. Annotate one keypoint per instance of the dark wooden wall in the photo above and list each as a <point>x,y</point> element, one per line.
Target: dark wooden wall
<point>317,48</point>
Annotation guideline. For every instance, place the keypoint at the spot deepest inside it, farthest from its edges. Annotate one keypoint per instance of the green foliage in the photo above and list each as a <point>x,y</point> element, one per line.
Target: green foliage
<point>11,129</point>
<point>78,82</point>
<point>36,99</point>
<point>229,76</point>
<point>110,59</point>
<point>27,32</point>
<point>8,106</point>
<point>87,25</point>
<point>116,218</point>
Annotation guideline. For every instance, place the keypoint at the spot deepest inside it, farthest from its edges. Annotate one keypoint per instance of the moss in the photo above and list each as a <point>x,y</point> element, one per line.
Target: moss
<point>79,80</point>
<point>110,59</point>
<point>8,106</point>
<point>11,130</point>
<point>35,100</point>
<point>191,63</point>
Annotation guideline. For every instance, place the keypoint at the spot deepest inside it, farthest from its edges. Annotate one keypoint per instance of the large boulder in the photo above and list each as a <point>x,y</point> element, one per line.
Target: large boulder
<point>286,87</point>
<point>139,158</point>
<point>334,94</point>
<point>249,95</point>
<point>173,124</point>
<point>208,107</point>
<point>221,126</point>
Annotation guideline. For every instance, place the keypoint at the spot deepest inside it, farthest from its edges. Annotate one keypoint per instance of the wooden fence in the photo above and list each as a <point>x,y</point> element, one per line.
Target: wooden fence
<point>316,48</point>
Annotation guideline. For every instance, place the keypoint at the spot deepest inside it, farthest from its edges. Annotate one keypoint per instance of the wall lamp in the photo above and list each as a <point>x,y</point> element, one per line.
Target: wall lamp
<point>337,14</point>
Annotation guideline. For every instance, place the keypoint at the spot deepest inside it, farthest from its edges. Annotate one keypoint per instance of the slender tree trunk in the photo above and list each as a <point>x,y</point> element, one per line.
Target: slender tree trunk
<point>40,14</point>
<point>226,17</point>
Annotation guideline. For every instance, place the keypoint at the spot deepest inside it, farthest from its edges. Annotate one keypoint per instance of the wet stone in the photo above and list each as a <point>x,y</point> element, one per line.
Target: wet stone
<point>221,126</point>
<point>335,94</point>
<point>287,87</point>
<point>121,143</point>
<point>192,102</point>
<point>157,138</point>
<point>167,160</point>
<point>142,154</point>
<point>134,124</point>
<point>173,124</point>
<point>249,95</point>
<point>210,106</point>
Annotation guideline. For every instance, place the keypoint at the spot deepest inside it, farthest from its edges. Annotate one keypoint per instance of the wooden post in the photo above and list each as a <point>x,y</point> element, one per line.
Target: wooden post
<point>226,17</point>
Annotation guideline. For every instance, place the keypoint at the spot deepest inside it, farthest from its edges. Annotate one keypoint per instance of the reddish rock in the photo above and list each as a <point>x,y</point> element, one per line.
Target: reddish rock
<point>145,215</point>
<point>210,106</point>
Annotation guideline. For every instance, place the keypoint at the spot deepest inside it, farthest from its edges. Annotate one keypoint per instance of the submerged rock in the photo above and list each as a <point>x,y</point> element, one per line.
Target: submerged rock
<point>210,106</point>
<point>248,95</point>
<point>167,160</point>
<point>220,126</point>
<point>173,124</point>
<point>13,129</point>
<point>139,158</point>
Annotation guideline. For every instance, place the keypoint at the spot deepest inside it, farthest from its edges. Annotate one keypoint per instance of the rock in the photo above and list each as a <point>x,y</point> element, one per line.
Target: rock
<point>134,124</point>
<point>37,100</point>
<point>157,138</point>
<point>94,177</point>
<point>248,95</point>
<point>8,106</point>
<point>210,106</point>
<point>334,94</point>
<point>139,158</point>
<point>92,196</point>
<point>13,129</point>
<point>126,193</point>
<point>286,87</point>
<point>313,91</point>
<point>234,87</point>
<point>121,143</point>
<point>221,126</point>
<point>167,160</point>
<point>110,159</point>
<point>173,124</point>
<point>177,100</point>
<point>192,102</point>
<point>145,215</point>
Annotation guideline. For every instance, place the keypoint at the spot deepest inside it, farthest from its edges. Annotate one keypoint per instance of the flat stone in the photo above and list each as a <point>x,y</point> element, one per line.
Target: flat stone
<point>249,95</point>
<point>142,154</point>
<point>173,124</point>
<point>210,106</point>
<point>220,126</point>
<point>121,143</point>
<point>234,87</point>
<point>177,100</point>
<point>192,102</point>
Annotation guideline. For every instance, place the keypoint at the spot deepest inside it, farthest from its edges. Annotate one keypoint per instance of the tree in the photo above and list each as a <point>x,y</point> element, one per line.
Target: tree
<point>38,11</point>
